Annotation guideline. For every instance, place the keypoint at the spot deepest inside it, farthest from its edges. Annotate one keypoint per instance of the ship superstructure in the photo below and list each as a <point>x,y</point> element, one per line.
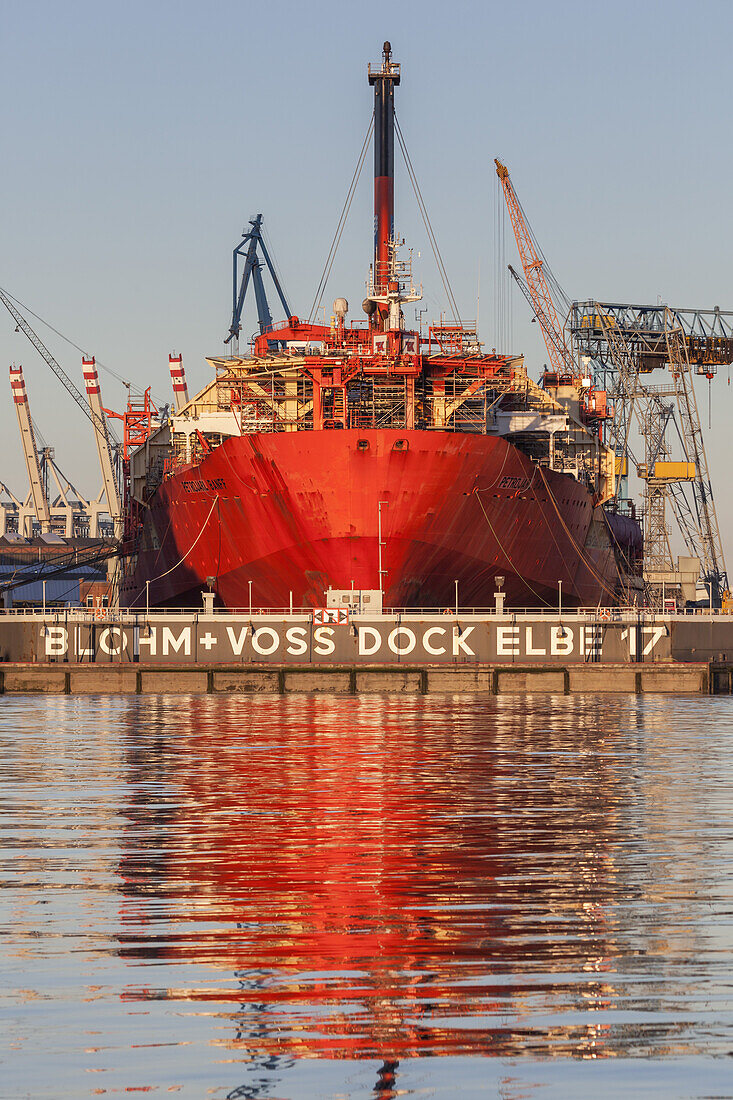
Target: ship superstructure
<point>367,455</point>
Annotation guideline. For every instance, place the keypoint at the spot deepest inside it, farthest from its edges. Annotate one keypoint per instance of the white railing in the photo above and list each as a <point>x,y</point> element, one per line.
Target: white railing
<point>131,615</point>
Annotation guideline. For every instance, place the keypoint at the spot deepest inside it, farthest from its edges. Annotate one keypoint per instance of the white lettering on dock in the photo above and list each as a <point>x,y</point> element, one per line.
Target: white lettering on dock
<point>107,641</point>
<point>408,646</point>
<point>264,649</point>
<point>435,650</point>
<point>655,632</point>
<point>561,641</point>
<point>531,651</point>
<point>507,640</point>
<point>460,640</point>
<point>182,641</point>
<point>296,635</point>
<point>148,636</point>
<point>237,643</point>
<point>366,649</point>
<point>323,637</point>
<point>57,640</point>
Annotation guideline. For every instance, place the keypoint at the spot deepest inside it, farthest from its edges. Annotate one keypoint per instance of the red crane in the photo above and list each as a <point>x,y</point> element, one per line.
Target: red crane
<point>561,359</point>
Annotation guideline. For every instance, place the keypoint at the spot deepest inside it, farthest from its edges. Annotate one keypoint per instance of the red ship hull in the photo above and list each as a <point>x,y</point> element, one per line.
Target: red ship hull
<point>297,513</point>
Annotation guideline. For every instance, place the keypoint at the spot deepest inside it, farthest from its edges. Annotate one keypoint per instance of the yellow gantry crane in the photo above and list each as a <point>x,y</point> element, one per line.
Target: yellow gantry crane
<point>634,341</point>
<point>631,341</point>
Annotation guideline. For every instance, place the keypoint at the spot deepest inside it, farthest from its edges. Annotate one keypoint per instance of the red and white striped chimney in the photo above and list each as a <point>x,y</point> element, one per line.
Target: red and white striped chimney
<point>178,378</point>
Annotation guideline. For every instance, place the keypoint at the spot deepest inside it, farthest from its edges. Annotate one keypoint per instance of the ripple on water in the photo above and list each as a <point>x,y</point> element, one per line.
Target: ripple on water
<point>201,892</point>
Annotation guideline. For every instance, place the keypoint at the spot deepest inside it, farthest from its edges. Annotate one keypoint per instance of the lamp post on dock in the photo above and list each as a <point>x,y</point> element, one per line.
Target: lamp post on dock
<point>559,599</point>
<point>249,583</point>
<point>456,599</point>
<point>379,547</point>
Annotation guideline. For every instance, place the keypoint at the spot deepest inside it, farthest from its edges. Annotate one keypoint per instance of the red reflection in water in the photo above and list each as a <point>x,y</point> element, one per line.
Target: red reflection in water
<point>382,877</point>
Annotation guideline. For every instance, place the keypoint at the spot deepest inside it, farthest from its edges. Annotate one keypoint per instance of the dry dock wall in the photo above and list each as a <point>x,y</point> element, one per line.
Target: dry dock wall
<point>231,653</point>
<point>391,679</point>
<point>176,639</point>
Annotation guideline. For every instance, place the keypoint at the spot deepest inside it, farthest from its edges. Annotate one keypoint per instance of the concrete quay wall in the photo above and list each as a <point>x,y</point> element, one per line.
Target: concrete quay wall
<point>306,639</point>
<point>143,679</point>
<point>514,652</point>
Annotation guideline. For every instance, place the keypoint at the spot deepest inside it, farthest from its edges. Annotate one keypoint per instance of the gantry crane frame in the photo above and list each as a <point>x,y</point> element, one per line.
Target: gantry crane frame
<point>629,341</point>
<point>647,337</point>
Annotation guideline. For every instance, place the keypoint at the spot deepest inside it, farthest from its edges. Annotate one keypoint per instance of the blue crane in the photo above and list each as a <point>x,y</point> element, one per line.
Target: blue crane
<point>246,250</point>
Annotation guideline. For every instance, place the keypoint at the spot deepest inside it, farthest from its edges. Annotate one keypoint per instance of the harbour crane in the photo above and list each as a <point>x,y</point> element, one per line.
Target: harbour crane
<point>252,268</point>
<point>93,409</point>
<point>178,379</point>
<point>631,341</point>
<point>30,449</point>
<point>109,479</point>
<point>560,355</point>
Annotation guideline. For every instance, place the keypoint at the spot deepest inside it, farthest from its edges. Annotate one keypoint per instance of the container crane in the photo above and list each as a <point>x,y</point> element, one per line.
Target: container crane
<point>109,479</point>
<point>30,450</point>
<point>93,410</point>
<point>178,379</point>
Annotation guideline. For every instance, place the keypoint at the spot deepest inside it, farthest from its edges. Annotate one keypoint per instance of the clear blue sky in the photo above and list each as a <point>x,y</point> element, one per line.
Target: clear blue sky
<point>138,139</point>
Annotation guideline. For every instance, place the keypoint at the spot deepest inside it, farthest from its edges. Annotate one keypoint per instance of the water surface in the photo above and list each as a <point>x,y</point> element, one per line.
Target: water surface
<point>366,896</point>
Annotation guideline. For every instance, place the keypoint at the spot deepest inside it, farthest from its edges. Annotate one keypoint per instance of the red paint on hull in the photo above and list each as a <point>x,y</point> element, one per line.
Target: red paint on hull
<point>298,512</point>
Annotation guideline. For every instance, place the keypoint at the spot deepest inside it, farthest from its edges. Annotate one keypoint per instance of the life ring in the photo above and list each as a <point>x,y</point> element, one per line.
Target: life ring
<point>605,613</point>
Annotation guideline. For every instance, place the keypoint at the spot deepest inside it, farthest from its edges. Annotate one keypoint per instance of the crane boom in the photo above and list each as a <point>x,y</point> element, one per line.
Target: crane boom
<point>56,367</point>
<point>93,409</point>
<point>94,396</point>
<point>30,450</point>
<point>178,378</point>
<point>561,358</point>
<point>546,322</point>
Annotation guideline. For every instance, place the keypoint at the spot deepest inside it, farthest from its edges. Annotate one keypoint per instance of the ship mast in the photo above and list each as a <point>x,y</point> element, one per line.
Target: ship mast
<point>383,81</point>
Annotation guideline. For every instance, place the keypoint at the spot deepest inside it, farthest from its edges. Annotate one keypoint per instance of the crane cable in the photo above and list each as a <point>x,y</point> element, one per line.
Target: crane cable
<point>341,223</point>
<point>68,340</point>
<point>506,553</point>
<point>581,553</point>
<point>559,295</point>
<point>180,560</point>
<point>530,486</point>
<point>118,377</point>
<point>428,225</point>
<point>583,558</point>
